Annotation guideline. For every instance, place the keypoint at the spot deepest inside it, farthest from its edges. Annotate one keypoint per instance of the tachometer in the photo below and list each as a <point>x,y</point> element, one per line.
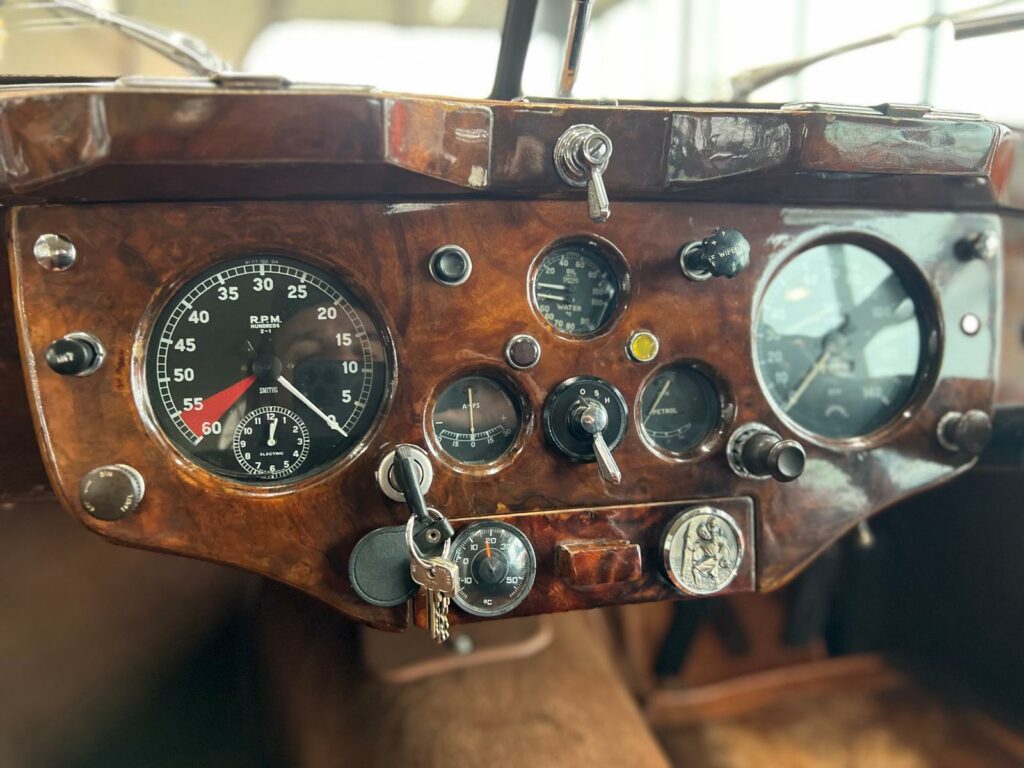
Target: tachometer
<point>840,341</point>
<point>266,369</point>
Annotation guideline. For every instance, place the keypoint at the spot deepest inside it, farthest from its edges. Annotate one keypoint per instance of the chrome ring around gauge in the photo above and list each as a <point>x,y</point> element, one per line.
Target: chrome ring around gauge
<point>841,343</point>
<point>680,408</point>
<point>497,566</point>
<point>275,346</point>
<point>579,286</point>
<point>477,419</point>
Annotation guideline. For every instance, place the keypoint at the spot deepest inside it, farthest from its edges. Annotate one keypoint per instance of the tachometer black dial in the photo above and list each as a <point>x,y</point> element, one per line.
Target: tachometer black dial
<point>265,369</point>
<point>840,341</point>
<point>678,409</point>
<point>476,420</point>
<point>576,289</point>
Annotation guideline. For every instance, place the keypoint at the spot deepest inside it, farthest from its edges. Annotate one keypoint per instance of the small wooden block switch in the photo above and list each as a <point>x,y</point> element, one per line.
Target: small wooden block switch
<point>589,563</point>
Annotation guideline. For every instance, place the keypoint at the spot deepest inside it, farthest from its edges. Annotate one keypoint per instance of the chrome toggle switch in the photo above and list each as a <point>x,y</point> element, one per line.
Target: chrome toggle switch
<point>581,158</point>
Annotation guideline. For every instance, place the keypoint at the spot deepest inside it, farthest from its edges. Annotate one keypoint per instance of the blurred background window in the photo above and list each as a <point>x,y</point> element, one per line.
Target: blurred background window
<point>665,50</point>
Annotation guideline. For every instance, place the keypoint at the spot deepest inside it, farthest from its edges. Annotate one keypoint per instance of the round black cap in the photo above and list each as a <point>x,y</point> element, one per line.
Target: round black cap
<point>450,265</point>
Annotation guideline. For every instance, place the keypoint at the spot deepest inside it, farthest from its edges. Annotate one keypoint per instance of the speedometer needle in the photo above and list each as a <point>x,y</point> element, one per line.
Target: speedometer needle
<point>808,378</point>
<point>332,423</point>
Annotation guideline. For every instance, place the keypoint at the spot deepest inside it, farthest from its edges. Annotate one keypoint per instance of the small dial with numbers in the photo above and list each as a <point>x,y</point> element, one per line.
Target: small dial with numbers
<point>577,289</point>
<point>497,566</point>
<point>271,442</point>
<point>476,420</point>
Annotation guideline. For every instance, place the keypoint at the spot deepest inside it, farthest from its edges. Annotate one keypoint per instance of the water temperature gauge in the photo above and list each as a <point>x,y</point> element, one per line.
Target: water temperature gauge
<point>497,566</point>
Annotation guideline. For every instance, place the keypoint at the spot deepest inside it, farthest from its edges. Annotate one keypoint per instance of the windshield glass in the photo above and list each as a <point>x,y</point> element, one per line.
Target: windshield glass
<point>666,50</point>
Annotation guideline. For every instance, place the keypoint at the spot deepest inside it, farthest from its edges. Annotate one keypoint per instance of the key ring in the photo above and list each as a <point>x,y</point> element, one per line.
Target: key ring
<point>414,551</point>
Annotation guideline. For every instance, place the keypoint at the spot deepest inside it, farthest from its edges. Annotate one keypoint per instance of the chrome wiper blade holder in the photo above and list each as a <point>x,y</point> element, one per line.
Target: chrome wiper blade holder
<point>187,51</point>
<point>966,23</point>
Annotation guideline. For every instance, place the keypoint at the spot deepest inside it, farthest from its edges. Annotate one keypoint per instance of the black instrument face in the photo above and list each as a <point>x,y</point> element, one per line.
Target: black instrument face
<point>840,341</point>
<point>476,420</point>
<point>679,409</point>
<point>264,369</point>
<point>576,289</point>
<point>497,566</point>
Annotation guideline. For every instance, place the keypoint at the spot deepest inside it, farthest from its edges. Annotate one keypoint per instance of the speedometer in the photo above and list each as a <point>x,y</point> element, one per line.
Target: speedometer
<point>266,369</point>
<point>841,343</point>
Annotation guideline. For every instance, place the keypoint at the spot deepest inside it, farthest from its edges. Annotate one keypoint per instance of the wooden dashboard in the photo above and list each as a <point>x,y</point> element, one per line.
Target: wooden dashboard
<point>123,179</point>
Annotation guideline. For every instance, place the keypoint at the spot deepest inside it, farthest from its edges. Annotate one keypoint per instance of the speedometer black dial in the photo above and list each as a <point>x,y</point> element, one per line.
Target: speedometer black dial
<point>576,288</point>
<point>266,369</point>
<point>840,341</point>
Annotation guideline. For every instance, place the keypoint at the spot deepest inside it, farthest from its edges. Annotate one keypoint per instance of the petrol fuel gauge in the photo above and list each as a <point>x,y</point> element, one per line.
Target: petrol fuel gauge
<point>679,408</point>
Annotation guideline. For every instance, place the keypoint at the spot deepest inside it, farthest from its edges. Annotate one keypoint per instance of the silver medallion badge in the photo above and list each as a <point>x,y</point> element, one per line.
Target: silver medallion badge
<point>702,549</point>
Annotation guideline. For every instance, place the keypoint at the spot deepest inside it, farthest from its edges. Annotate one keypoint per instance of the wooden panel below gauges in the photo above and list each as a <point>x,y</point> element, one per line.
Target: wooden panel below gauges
<point>132,258</point>
<point>642,526</point>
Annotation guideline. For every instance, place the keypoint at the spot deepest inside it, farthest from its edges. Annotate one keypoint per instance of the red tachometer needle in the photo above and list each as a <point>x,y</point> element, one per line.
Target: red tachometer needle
<point>215,405</point>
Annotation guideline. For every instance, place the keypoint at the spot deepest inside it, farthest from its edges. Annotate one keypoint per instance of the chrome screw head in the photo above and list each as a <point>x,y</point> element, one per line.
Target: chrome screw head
<point>54,253</point>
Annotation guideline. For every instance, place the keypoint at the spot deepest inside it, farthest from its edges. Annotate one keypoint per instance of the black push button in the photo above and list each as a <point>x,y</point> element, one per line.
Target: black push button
<point>450,265</point>
<point>74,355</point>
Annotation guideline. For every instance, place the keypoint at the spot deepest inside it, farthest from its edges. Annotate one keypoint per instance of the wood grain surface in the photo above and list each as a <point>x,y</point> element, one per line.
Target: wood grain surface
<point>132,256</point>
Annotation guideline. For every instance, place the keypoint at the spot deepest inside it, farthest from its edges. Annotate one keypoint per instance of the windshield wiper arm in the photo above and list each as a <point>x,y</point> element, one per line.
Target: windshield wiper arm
<point>187,51</point>
<point>749,80</point>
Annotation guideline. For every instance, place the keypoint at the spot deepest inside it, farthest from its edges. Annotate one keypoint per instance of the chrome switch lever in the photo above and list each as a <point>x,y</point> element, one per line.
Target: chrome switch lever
<point>581,158</point>
<point>592,418</point>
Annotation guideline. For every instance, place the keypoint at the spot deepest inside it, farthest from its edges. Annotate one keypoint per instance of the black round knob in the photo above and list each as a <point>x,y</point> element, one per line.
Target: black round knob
<point>969,432</point>
<point>74,355</point>
<point>111,492</point>
<point>723,253</point>
<point>765,454</point>
<point>450,265</point>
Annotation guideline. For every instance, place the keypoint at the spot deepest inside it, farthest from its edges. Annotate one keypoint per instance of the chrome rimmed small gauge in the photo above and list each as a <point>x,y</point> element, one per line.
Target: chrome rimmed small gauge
<point>477,419</point>
<point>271,442</point>
<point>580,287</point>
<point>497,566</point>
<point>683,410</point>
